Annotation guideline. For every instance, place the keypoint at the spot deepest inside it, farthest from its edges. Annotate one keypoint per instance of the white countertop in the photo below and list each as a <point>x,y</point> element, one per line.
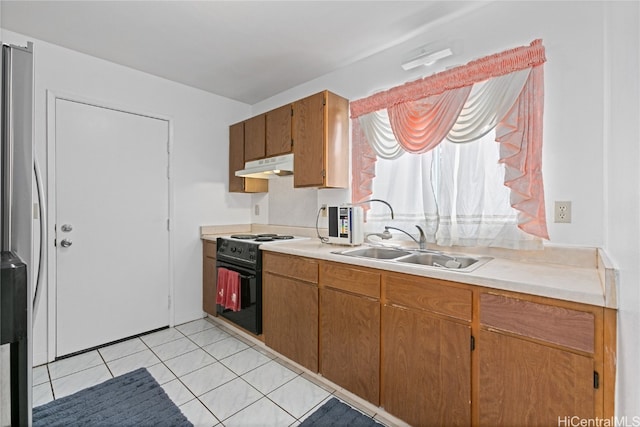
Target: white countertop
<point>590,280</point>
<point>577,284</point>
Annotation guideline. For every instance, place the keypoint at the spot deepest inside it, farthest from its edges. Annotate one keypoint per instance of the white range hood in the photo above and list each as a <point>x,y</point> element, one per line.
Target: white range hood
<point>268,168</point>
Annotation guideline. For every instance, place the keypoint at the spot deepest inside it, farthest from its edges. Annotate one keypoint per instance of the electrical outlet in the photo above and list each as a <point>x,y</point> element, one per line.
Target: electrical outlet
<point>562,212</point>
<point>324,210</point>
<point>256,210</point>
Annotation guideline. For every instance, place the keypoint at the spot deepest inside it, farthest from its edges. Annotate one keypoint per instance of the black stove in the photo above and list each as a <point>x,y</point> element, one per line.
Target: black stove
<point>241,254</point>
<point>241,251</point>
<point>243,248</point>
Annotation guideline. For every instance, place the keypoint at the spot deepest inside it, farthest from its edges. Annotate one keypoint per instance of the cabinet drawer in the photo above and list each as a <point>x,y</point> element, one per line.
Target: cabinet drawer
<point>358,281</point>
<point>209,248</point>
<point>428,294</point>
<point>291,266</point>
<point>570,328</point>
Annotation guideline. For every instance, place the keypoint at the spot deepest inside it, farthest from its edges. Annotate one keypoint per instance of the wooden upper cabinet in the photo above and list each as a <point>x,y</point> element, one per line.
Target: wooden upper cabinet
<point>254,138</point>
<point>320,130</point>
<point>278,131</point>
<point>236,157</point>
<point>236,163</point>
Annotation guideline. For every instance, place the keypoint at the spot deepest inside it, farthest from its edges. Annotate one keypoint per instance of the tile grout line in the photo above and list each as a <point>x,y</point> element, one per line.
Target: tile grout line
<point>196,397</point>
<point>240,376</point>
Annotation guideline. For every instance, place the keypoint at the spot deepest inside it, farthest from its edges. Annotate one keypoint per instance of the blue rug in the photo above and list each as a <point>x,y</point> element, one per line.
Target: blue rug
<point>338,414</point>
<point>132,399</point>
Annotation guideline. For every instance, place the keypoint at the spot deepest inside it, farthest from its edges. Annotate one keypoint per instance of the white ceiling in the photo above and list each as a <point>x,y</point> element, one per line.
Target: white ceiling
<point>243,50</point>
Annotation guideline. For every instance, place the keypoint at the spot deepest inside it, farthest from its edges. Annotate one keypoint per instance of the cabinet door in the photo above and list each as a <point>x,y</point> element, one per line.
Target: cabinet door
<point>278,125</point>
<point>209,281</point>
<point>236,163</point>
<point>290,319</point>
<point>308,141</point>
<point>254,138</point>
<point>426,368</point>
<point>236,157</point>
<point>350,342</point>
<point>526,383</point>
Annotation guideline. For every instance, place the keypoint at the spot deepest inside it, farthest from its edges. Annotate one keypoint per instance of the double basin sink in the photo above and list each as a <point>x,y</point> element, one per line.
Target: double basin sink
<point>426,258</point>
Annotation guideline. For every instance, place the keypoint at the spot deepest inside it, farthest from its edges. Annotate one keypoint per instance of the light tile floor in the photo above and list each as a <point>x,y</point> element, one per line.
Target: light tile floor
<point>217,377</point>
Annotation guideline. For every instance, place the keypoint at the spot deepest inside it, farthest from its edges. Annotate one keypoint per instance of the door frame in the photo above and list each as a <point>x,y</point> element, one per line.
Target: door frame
<point>52,97</point>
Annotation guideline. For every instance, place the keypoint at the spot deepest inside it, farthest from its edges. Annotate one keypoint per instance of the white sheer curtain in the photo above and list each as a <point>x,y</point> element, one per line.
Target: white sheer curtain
<point>487,103</point>
<point>455,191</point>
<point>406,183</point>
<point>473,204</point>
<point>377,128</point>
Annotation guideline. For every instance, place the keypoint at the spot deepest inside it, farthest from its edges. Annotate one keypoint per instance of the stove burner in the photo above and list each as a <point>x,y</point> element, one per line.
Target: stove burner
<point>271,237</point>
<point>265,237</point>
<point>243,236</point>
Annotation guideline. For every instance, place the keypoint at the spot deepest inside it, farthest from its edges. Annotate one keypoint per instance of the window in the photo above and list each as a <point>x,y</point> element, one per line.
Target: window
<point>455,192</point>
<point>458,153</point>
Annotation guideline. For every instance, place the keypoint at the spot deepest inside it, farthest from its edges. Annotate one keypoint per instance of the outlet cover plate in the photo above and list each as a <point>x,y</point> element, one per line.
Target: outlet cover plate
<point>562,212</point>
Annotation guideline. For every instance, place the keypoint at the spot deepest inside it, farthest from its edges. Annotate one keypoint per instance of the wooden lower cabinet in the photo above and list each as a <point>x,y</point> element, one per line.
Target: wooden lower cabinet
<point>290,309</point>
<point>426,368</point>
<point>350,342</point>
<point>538,361</point>
<point>530,384</point>
<point>439,353</point>
<point>209,277</point>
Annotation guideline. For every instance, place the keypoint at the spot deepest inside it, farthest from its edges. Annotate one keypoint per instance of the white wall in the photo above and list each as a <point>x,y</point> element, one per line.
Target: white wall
<point>199,157</point>
<point>591,83</point>
<point>621,154</point>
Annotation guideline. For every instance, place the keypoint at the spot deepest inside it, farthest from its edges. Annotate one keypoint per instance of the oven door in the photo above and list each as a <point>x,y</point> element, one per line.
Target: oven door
<point>250,315</point>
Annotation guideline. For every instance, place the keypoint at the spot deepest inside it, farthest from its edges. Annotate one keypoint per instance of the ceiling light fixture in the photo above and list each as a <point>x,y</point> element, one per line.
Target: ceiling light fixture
<point>425,58</point>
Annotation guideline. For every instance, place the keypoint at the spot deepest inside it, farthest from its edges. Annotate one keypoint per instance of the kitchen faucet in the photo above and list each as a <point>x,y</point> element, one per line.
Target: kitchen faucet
<point>422,243</point>
<point>375,200</point>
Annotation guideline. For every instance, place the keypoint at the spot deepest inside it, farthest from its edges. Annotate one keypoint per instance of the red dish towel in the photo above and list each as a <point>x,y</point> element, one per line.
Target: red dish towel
<point>228,294</point>
<point>233,291</point>
<point>221,294</point>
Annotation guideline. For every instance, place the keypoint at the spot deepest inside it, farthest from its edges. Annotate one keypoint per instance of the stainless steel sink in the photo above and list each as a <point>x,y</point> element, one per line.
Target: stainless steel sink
<point>441,260</point>
<point>374,252</point>
<point>434,259</point>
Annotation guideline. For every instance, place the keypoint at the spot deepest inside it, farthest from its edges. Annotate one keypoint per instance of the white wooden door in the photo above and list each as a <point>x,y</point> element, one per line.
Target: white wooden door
<point>112,190</point>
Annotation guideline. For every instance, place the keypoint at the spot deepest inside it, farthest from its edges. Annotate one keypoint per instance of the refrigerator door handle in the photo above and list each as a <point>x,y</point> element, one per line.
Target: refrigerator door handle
<point>43,234</point>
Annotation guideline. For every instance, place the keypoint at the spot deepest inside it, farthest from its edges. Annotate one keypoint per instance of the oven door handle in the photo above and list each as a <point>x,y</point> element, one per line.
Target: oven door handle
<point>243,276</point>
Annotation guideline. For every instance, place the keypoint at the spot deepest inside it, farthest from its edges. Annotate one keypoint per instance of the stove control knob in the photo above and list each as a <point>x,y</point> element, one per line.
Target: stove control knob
<point>239,250</point>
<point>233,248</point>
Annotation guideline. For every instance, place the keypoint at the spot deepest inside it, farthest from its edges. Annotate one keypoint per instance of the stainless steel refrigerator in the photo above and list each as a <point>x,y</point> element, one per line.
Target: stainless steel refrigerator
<point>17,212</point>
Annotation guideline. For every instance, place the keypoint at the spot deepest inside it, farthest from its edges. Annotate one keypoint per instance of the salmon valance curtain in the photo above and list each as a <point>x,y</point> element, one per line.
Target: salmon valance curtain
<point>502,91</point>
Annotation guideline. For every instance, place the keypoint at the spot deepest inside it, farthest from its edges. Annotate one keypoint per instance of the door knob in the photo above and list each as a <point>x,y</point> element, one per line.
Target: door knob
<point>66,228</point>
<point>65,243</point>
